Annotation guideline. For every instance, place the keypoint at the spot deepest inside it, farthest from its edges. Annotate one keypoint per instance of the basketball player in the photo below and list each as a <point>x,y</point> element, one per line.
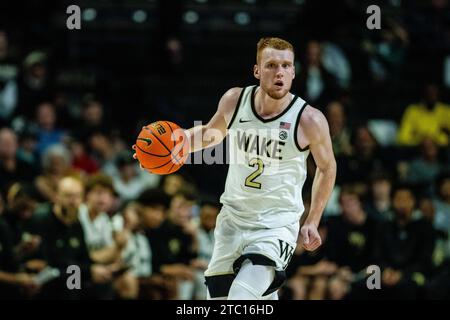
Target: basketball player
<point>271,134</point>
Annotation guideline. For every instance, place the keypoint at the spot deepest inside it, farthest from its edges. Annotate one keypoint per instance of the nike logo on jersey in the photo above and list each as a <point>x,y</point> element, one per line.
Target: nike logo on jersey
<point>244,121</point>
<point>262,146</point>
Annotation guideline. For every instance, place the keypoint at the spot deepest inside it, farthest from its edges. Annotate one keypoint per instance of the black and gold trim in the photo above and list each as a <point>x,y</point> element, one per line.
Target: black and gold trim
<point>237,108</point>
<point>270,119</point>
<point>297,122</point>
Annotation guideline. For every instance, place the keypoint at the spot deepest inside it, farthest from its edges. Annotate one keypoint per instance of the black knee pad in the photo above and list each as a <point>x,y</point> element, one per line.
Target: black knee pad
<point>219,286</point>
<point>261,260</point>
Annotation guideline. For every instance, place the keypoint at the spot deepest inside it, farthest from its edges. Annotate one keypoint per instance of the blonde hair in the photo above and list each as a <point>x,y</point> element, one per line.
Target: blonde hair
<point>275,43</point>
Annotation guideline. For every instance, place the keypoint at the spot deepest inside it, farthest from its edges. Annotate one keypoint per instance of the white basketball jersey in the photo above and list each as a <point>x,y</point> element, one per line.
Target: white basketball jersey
<point>267,166</point>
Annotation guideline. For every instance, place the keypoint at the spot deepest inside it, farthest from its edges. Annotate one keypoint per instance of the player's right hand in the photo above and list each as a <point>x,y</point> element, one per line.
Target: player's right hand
<point>310,237</point>
<point>135,157</point>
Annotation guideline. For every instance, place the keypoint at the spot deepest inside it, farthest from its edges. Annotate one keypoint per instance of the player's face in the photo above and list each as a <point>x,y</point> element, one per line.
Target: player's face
<point>275,72</point>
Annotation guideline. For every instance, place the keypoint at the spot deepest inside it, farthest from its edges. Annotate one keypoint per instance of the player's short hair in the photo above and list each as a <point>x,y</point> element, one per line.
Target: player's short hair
<point>275,43</point>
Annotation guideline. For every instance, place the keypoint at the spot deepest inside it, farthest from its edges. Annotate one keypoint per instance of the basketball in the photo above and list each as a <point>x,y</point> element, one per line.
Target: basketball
<point>161,147</point>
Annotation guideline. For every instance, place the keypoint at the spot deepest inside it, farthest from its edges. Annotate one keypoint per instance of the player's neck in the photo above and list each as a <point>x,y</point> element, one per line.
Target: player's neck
<point>266,106</point>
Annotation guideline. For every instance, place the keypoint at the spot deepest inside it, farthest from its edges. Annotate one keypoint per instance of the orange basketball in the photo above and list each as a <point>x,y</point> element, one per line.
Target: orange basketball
<point>161,147</point>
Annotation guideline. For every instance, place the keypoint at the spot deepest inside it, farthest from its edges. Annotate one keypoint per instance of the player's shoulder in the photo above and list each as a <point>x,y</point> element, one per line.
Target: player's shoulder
<point>233,94</point>
<point>230,99</point>
<point>313,123</point>
<point>312,118</point>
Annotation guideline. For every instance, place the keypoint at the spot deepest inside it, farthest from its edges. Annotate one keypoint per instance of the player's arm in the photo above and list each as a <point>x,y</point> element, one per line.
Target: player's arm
<point>316,134</point>
<point>215,130</point>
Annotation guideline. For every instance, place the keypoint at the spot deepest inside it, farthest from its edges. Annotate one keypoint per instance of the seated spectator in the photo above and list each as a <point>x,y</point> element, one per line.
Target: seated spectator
<point>27,151</point>
<point>428,118</point>
<point>173,183</point>
<point>378,205</point>
<point>33,84</point>
<point>442,203</point>
<point>63,243</point>
<point>104,148</point>
<point>81,159</point>
<point>154,204</point>
<point>308,272</point>
<point>129,180</point>
<point>403,249</point>
<point>386,52</point>
<point>92,117</point>
<point>340,135</point>
<point>209,210</point>
<point>21,204</point>
<point>424,169</point>
<point>137,253</point>
<point>48,134</point>
<point>350,243</point>
<point>367,158</point>
<point>317,85</point>
<point>8,80</point>
<point>13,284</point>
<point>12,169</point>
<point>98,230</point>
<point>56,163</point>
<point>174,244</point>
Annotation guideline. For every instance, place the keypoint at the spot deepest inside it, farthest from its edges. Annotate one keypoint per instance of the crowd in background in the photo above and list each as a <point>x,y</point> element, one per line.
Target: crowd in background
<point>71,193</point>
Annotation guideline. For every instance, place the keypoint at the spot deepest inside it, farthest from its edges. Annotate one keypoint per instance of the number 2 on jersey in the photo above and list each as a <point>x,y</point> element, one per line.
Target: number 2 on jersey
<point>250,180</point>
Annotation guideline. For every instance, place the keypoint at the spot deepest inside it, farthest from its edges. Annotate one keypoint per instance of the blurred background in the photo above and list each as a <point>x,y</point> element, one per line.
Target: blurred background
<point>73,101</point>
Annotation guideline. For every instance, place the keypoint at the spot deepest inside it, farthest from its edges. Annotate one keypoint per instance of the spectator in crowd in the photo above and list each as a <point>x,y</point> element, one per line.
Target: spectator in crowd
<point>56,163</point>
<point>317,85</point>
<point>81,159</point>
<point>92,118</point>
<point>22,201</point>
<point>209,210</point>
<point>33,85</point>
<point>63,243</point>
<point>340,135</point>
<point>8,81</point>
<point>12,169</point>
<point>404,248</point>
<point>104,149</point>
<point>136,255</point>
<point>173,183</point>
<point>129,180</point>
<point>154,204</point>
<point>386,54</point>
<point>98,230</point>
<point>13,283</point>
<point>378,205</point>
<point>424,169</point>
<point>48,134</point>
<point>427,118</point>
<point>442,203</point>
<point>308,272</point>
<point>367,158</point>
<point>27,151</point>
<point>350,243</point>
<point>175,245</point>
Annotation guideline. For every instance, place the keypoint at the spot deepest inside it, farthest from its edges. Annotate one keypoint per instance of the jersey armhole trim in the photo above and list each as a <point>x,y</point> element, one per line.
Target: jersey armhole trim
<point>297,123</point>
<point>237,108</point>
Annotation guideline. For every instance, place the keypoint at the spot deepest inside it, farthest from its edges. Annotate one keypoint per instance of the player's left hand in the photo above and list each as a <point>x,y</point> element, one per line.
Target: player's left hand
<point>310,237</point>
